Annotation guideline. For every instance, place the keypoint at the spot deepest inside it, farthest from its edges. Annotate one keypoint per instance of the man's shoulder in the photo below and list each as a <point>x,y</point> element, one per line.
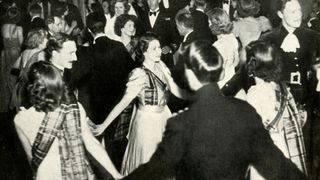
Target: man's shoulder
<point>274,33</point>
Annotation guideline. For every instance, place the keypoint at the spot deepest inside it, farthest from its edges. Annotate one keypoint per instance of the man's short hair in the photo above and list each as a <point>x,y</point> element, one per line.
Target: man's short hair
<point>200,3</point>
<point>281,4</point>
<point>96,22</point>
<point>185,19</point>
<point>35,9</point>
<point>49,20</point>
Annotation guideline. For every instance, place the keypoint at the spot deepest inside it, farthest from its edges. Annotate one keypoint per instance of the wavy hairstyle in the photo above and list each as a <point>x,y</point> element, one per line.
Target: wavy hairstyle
<point>143,45</point>
<point>55,43</point>
<point>125,4</point>
<point>220,21</point>
<point>121,22</point>
<point>263,61</point>
<point>45,86</point>
<point>35,38</point>
<point>247,8</point>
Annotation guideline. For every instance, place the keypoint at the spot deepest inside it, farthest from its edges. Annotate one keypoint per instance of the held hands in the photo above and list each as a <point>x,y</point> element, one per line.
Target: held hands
<point>118,177</point>
<point>96,129</point>
<point>99,129</point>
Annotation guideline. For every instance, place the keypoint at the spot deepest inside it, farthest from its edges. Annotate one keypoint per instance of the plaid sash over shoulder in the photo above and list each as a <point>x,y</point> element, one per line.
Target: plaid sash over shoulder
<point>292,128</point>
<point>64,124</point>
<point>47,132</point>
<point>151,92</point>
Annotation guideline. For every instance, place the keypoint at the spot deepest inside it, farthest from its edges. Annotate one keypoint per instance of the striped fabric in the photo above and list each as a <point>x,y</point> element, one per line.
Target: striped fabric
<point>151,92</point>
<point>292,125</point>
<point>64,124</point>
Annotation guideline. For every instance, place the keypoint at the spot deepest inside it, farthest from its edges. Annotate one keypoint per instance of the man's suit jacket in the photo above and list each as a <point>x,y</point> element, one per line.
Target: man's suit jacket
<point>163,26</point>
<point>201,26</point>
<point>111,65</point>
<point>217,138</point>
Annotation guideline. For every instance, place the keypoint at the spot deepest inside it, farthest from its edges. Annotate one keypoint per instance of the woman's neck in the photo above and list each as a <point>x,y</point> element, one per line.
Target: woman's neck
<point>149,64</point>
<point>125,39</point>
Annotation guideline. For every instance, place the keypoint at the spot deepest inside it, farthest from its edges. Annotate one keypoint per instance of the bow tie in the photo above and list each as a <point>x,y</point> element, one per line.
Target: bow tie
<point>153,13</point>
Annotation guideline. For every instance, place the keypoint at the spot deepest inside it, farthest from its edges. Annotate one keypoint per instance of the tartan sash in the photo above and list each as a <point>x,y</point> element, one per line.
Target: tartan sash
<point>64,124</point>
<point>47,132</point>
<point>151,92</point>
<point>292,128</point>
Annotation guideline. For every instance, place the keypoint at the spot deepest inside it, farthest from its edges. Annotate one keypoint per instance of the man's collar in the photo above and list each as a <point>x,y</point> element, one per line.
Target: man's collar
<point>35,17</point>
<point>156,10</point>
<point>97,36</point>
<point>186,36</point>
<point>58,66</point>
<point>288,29</point>
<point>201,10</point>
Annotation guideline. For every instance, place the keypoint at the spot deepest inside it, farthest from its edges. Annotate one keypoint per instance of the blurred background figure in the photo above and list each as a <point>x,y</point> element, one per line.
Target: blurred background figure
<point>12,35</point>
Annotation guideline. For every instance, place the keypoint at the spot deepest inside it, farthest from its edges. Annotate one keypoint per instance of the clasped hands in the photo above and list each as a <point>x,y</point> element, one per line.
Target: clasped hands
<point>96,129</point>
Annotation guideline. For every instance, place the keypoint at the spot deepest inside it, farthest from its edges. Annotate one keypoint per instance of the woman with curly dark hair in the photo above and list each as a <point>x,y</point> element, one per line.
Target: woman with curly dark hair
<point>54,130</point>
<point>118,7</point>
<point>125,28</point>
<point>275,104</point>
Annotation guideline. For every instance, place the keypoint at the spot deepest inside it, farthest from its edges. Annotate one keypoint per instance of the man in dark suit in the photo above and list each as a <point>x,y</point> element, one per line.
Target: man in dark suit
<point>201,21</point>
<point>36,21</point>
<point>219,136</point>
<point>157,20</point>
<point>111,65</point>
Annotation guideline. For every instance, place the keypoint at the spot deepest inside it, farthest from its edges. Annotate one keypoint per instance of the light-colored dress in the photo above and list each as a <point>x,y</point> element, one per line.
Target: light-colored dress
<point>250,28</point>
<point>228,46</point>
<point>263,97</point>
<point>29,121</point>
<point>9,55</point>
<point>148,123</point>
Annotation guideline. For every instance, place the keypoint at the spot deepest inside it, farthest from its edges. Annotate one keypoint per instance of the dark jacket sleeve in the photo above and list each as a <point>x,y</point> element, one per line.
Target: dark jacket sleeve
<point>267,158</point>
<point>167,155</point>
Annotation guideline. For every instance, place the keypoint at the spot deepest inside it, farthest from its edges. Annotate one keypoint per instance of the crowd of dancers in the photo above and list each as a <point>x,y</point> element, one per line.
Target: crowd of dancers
<point>164,89</point>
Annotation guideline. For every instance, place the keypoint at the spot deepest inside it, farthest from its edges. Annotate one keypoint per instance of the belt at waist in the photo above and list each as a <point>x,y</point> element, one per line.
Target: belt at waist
<point>150,108</point>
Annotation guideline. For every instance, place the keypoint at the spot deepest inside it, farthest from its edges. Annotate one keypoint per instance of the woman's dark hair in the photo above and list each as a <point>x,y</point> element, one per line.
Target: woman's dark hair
<point>121,22</point>
<point>263,61</point>
<point>125,3</point>
<point>143,45</point>
<point>45,86</point>
<point>247,8</point>
<point>55,43</point>
<point>220,21</point>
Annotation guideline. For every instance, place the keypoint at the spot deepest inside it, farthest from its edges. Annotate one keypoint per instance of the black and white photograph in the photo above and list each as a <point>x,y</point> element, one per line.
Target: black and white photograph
<point>160,90</point>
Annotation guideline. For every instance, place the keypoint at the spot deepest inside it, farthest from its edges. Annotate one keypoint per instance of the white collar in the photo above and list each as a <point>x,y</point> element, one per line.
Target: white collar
<point>290,31</point>
<point>185,37</point>
<point>201,10</point>
<point>99,35</point>
<point>156,10</point>
<point>35,17</point>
